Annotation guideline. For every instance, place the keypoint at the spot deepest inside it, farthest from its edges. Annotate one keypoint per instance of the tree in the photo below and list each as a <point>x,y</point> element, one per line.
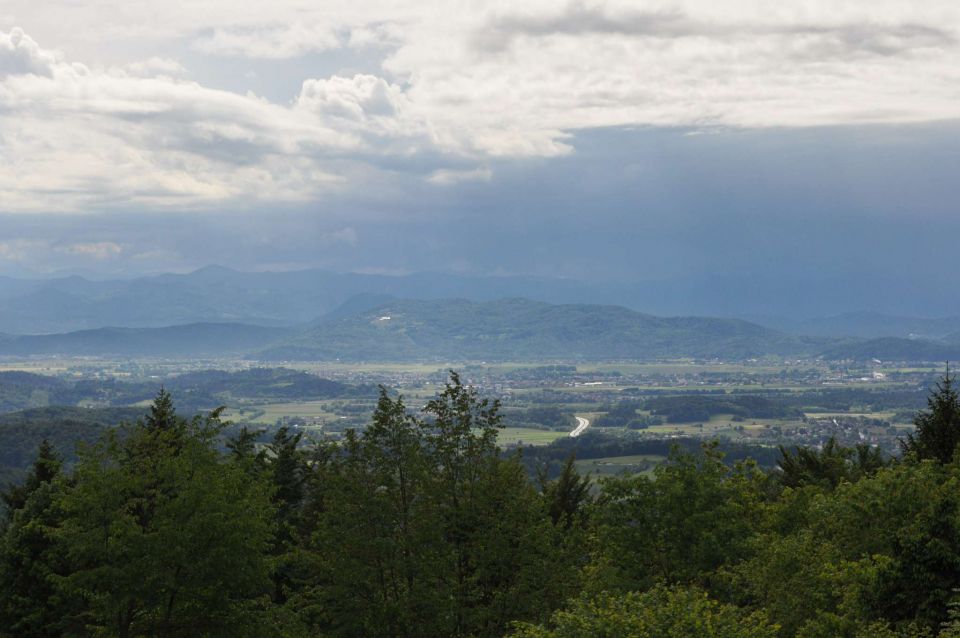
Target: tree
<point>243,448</point>
<point>661,612</point>
<point>426,530</point>
<point>45,468</point>
<point>162,536</point>
<point>828,466</point>
<point>567,496</point>
<point>288,471</point>
<point>162,415</point>
<point>31,559</point>
<point>938,427</point>
<point>904,521</point>
<point>695,515</point>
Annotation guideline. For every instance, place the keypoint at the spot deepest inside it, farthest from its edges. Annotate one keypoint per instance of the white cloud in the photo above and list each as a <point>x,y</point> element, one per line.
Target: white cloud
<point>446,177</point>
<point>369,108</point>
<point>277,42</point>
<point>474,80</point>
<point>95,250</point>
<point>154,66</point>
<point>74,138</point>
<point>20,55</point>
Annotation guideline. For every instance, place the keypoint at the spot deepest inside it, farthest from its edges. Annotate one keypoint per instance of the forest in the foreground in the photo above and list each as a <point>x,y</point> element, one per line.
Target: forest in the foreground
<point>421,526</point>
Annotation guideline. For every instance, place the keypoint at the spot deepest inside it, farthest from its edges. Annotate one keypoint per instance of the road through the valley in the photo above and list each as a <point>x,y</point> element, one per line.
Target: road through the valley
<point>582,424</point>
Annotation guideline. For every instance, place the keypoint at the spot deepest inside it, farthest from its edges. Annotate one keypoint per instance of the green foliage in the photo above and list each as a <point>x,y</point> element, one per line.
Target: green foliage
<point>658,613</point>
<point>22,390</point>
<point>827,467</point>
<point>30,604</point>
<point>694,516</point>
<point>938,427</point>
<point>420,525</point>
<point>692,408</point>
<point>46,467</point>
<point>162,537</point>
<point>568,496</point>
<point>426,530</point>
<point>62,427</point>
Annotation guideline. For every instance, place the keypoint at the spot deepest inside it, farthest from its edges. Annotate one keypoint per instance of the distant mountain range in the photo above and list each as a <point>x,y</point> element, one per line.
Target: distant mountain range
<point>366,328</point>
<point>197,339</point>
<point>378,328</point>
<point>320,314</point>
<point>894,349</point>
<point>216,295</point>
<point>867,325</point>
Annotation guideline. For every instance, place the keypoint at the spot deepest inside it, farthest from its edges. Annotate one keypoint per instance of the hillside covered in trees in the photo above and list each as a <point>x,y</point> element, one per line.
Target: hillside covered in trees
<point>421,526</point>
<point>201,390</point>
<point>519,328</point>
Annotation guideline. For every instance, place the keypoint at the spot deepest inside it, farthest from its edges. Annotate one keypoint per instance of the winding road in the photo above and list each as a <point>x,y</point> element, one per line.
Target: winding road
<point>582,424</point>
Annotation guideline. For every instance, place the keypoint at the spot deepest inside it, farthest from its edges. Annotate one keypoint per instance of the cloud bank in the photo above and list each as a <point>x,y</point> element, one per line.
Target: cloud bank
<point>99,109</point>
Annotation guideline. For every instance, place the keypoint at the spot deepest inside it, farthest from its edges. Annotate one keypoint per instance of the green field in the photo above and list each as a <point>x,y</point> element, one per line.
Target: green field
<point>528,436</point>
<point>616,465</point>
<point>268,413</point>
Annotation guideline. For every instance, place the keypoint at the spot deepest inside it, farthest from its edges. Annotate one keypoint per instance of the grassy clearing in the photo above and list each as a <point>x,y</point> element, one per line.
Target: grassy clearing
<point>529,436</point>
<point>836,415</point>
<point>616,465</point>
<point>267,414</point>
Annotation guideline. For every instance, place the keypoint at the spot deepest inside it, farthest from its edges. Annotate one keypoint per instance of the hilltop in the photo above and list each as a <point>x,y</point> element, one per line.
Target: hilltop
<point>524,329</point>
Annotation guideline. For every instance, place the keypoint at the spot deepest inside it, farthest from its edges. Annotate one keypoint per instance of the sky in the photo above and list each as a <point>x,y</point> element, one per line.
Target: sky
<point>744,156</point>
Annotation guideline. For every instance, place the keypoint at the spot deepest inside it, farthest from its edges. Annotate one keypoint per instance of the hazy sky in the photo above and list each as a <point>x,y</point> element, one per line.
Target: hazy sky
<point>812,145</point>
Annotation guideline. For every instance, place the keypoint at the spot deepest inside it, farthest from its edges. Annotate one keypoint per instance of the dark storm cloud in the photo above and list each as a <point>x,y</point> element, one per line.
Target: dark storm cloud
<point>805,221</point>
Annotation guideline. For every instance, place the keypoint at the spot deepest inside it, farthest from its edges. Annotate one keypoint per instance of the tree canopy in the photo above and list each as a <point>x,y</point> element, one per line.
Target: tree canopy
<point>420,525</point>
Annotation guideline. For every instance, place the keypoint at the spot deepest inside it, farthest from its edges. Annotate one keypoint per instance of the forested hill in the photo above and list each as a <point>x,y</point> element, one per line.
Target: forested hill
<point>201,390</point>
<point>64,427</point>
<point>520,328</point>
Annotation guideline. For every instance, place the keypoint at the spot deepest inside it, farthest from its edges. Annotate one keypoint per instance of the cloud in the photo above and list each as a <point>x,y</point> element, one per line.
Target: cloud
<point>75,138</point>
<point>275,42</point>
<point>446,177</point>
<point>20,55</point>
<point>578,19</point>
<point>154,66</point>
<point>414,90</point>
<point>362,97</point>
<point>96,250</point>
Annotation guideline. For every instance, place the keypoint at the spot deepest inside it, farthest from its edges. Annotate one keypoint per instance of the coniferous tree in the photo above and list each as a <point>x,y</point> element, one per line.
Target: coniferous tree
<point>828,466</point>
<point>30,557</point>
<point>288,471</point>
<point>162,537</point>
<point>162,415</point>
<point>45,468</point>
<point>243,446</point>
<point>938,427</point>
<point>427,530</point>
<point>568,495</point>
